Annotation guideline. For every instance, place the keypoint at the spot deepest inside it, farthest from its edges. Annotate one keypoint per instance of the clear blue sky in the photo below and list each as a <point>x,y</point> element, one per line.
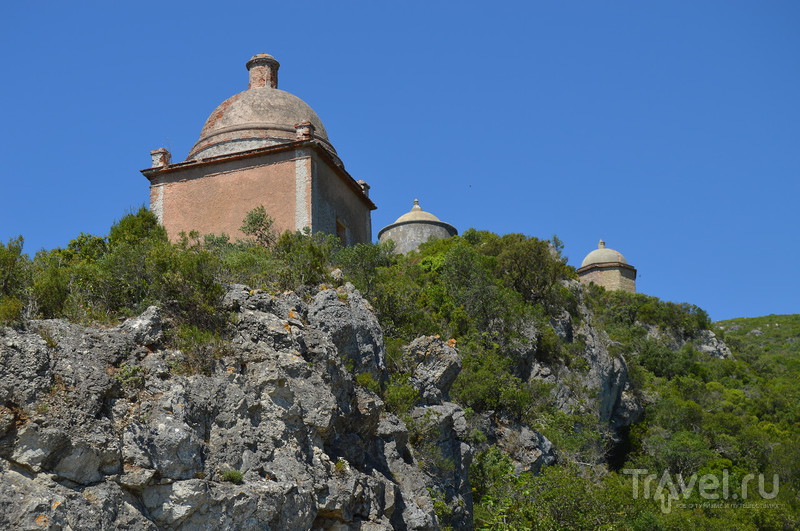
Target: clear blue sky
<point>670,129</point>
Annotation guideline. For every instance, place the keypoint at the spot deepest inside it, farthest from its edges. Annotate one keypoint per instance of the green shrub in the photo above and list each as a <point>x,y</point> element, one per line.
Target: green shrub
<point>400,396</point>
<point>441,508</point>
<point>367,381</point>
<point>397,360</point>
<point>14,270</point>
<point>86,247</point>
<point>185,283</point>
<point>360,264</point>
<point>491,468</point>
<point>10,311</point>
<point>48,338</point>
<point>51,283</point>
<point>307,258</point>
<point>130,376</point>
<point>620,311</point>
<point>486,382</point>
<point>233,476</point>
<point>259,225</point>
<point>135,228</point>
<point>200,347</point>
<point>662,361</point>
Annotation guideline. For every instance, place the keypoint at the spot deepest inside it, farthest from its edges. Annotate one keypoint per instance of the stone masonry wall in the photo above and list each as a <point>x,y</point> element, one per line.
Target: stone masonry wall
<point>611,278</point>
<point>333,199</point>
<point>408,236</point>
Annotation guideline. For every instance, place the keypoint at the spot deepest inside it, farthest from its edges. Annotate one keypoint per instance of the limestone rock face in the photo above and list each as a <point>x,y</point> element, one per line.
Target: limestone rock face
<point>146,328</point>
<point>348,319</point>
<point>705,341</point>
<point>100,430</point>
<point>437,366</point>
<point>710,344</point>
<point>592,380</point>
<point>528,449</point>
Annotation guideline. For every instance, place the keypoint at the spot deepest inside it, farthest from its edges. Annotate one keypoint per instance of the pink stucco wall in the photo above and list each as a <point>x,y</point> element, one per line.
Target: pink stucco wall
<point>215,199</point>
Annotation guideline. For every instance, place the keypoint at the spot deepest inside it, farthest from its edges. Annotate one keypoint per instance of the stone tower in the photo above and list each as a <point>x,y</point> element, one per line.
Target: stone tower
<point>262,146</point>
<point>608,268</point>
<point>414,228</point>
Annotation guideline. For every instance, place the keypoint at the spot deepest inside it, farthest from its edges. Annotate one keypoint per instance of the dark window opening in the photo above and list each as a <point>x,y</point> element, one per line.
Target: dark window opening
<point>341,231</point>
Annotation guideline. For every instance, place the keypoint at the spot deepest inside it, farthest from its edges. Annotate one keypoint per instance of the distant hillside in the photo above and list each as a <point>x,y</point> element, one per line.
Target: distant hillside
<point>771,334</point>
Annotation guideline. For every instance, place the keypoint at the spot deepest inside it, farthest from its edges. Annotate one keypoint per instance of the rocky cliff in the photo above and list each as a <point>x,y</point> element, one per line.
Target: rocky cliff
<point>106,428</point>
<point>100,430</point>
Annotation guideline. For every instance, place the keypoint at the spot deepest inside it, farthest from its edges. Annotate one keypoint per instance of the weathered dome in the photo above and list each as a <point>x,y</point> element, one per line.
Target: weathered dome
<point>603,255</point>
<point>260,116</point>
<point>415,228</point>
<point>416,214</point>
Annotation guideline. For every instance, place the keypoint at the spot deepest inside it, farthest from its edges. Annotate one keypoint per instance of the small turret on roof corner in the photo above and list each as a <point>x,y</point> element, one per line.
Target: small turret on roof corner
<point>161,157</point>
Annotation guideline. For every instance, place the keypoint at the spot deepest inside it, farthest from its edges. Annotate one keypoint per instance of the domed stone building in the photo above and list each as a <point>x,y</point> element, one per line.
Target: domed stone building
<point>608,268</point>
<point>262,146</point>
<point>414,228</point>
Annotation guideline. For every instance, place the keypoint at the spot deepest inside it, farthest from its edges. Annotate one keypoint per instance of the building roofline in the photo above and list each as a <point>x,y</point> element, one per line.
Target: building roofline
<point>152,173</point>
<point>601,265</point>
<point>419,222</point>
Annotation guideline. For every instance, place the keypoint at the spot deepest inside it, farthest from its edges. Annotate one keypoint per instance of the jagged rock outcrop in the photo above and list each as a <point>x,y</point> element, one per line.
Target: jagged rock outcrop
<point>103,429</point>
<point>436,366</point>
<point>529,450</point>
<point>439,430</point>
<point>608,377</point>
<point>593,380</point>
<point>708,343</point>
<point>705,341</point>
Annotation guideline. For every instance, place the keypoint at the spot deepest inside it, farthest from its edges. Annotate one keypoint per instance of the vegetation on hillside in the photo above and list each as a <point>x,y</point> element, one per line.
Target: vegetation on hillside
<point>497,298</point>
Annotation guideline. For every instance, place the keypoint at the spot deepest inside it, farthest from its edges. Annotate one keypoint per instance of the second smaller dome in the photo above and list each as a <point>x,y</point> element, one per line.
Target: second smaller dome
<point>415,228</point>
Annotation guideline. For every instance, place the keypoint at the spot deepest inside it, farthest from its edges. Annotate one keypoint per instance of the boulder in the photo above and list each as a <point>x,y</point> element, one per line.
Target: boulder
<point>437,365</point>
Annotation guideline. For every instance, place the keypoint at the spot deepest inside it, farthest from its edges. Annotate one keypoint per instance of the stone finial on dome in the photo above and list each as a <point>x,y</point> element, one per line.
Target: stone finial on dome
<point>263,71</point>
<point>416,205</point>
<point>601,244</point>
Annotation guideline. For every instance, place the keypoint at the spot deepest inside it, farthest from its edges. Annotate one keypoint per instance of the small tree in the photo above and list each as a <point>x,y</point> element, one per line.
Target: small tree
<point>135,227</point>
<point>306,256</point>
<point>360,264</point>
<point>13,268</point>
<point>14,279</point>
<point>258,225</point>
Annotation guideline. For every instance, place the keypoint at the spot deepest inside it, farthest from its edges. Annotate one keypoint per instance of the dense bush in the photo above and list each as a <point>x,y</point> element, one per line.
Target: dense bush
<point>103,279</point>
<point>621,313</point>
